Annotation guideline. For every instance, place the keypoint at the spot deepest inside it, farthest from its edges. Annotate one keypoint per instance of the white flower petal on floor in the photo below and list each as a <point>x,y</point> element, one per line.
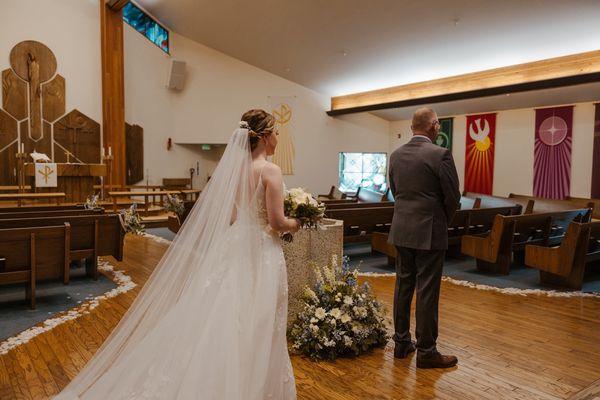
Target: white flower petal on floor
<point>124,284</point>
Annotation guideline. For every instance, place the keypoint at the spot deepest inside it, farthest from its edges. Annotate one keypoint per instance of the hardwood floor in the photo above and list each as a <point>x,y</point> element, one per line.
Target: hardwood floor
<point>509,347</point>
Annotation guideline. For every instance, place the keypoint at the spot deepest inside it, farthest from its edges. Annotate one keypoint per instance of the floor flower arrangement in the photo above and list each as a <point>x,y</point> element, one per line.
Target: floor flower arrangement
<point>339,317</point>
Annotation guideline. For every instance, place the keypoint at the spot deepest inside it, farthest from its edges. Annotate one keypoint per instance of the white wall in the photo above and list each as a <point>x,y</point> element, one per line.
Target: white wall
<point>513,159</point>
<point>218,90</point>
<point>71,29</point>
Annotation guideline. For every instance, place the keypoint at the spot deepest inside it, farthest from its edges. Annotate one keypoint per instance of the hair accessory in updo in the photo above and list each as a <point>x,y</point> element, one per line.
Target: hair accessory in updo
<point>244,125</point>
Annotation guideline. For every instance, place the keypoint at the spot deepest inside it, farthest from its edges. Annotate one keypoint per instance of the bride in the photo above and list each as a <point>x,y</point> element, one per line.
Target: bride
<point>210,323</point>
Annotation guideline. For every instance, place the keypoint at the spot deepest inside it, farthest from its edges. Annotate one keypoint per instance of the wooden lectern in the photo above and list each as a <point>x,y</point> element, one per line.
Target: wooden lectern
<point>75,180</point>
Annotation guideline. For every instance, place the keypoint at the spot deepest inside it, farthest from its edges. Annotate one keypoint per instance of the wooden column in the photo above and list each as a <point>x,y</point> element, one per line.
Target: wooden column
<point>113,88</point>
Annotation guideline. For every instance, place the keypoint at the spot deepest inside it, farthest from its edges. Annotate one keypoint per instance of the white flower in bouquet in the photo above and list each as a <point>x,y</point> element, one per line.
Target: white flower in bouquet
<point>345,318</point>
<point>348,300</point>
<point>347,341</point>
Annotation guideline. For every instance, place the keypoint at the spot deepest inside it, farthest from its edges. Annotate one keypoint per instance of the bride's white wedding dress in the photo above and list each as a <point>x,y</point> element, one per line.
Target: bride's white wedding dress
<point>211,321</point>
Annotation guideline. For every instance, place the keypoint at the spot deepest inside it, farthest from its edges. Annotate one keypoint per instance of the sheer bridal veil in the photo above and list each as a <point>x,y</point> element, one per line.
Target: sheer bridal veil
<point>198,297</point>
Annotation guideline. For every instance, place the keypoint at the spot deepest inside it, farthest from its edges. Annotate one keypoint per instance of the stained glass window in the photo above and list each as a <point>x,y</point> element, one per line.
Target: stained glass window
<point>144,24</point>
<point>367,170</point>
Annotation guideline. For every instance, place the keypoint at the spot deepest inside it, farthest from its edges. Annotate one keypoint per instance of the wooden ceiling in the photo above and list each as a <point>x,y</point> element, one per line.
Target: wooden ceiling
<point>555,72</point>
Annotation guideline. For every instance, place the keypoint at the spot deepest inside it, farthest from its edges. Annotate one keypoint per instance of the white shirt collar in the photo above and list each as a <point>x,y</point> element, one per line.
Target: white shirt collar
<point>423,136</point>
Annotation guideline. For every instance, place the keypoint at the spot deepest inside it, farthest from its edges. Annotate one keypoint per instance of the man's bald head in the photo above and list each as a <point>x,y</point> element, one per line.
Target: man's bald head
<point>424,122</point>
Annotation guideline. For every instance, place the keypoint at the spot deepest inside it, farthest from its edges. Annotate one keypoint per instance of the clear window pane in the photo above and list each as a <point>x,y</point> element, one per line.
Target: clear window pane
<point>367,170</point>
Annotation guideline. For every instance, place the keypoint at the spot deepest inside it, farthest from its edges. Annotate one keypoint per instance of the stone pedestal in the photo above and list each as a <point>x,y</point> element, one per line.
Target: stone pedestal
<point>310,246</point>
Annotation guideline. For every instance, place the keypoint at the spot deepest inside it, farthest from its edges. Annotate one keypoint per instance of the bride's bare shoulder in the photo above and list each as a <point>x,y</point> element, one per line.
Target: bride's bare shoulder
<point>271,172</point>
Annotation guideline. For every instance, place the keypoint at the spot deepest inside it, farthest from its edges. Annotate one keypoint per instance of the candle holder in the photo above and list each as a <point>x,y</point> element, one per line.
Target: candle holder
<point>107,160</point>
<point>21,157</point>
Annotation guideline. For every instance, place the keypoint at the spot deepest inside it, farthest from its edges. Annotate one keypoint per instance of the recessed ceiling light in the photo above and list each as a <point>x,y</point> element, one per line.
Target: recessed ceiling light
<point>288,69</point>
<point>344,53</point>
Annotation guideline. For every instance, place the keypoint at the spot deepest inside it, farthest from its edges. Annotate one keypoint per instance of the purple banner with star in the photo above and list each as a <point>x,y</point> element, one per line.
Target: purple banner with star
<point>552,154</point>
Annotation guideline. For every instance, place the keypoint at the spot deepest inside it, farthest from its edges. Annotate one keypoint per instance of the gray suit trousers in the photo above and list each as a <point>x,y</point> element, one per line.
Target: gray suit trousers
<point>423,269</point>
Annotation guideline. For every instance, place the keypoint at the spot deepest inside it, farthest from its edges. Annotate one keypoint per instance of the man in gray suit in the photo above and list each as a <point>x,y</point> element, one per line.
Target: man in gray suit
<point>424,183</point>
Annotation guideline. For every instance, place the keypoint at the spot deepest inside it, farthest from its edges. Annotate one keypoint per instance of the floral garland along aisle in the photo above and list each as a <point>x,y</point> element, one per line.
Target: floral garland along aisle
<point>124,284</point>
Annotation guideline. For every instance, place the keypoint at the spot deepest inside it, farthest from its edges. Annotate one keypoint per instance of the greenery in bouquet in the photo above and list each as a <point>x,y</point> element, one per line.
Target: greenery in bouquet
<point>132,223</point>
<point>174,204</point>
<point>92,202</point>
<point>339,317</point>
<point>300,204</point>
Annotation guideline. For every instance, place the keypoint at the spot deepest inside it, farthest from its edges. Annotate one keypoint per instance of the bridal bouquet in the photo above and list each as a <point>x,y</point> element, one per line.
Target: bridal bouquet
<point>339,316</point>
<point>300,204</point>
<point>132,223</point>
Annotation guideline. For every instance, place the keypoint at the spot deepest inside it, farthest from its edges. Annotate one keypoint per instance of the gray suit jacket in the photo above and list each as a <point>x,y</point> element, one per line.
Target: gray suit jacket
<point>424,183</point>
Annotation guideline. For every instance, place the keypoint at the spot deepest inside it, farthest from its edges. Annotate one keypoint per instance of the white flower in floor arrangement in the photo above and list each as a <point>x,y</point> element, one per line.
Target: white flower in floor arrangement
<point>339,317</point>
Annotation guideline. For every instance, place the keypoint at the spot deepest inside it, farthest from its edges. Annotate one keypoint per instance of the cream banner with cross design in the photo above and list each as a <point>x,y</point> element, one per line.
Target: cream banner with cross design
<point>45,175</point>
<point>282,109</point>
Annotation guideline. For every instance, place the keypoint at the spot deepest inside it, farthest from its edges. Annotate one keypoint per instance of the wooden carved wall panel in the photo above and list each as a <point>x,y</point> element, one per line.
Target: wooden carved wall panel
<point>78,134</point>
<point>43,145</point>
<point>134,153</point>
<point>8,129</point>
<point>22,55</point>
<point>53,99</point>
<point>8,165</point>
<point>8,148</point>
<point>14,94</point>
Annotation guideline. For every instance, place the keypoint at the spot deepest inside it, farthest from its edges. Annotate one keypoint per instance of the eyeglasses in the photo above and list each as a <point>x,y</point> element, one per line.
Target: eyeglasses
<point>435,122</point>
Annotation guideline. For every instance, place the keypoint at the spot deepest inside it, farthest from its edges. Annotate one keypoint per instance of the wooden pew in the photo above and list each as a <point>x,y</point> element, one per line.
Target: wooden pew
<point>341,206</point>
<point>465,222</point>
<point>494,250</point>
<point>360,223</point>
<point>32,254</point>
<point>334,194</point>
<point>174,222</point>
<point>542,205</point>
<point>91,235</point>
<point>42,208</point>
<point>581,202</point>
<point>19,197</point>
<point>42,214</point>
<point>564,265</point>
<point>488,201</point>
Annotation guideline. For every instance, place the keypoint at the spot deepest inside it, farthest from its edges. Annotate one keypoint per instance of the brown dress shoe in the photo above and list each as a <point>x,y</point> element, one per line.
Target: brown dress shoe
<point>403,350</point>
<point>435,360</point>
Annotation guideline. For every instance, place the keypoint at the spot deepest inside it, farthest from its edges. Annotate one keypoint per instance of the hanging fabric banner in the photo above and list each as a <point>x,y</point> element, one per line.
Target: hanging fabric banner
<point>444,137</point>
<point>552,154</point>
<point>282,109</point>
<point>596,162</point>
<point>479,159</point>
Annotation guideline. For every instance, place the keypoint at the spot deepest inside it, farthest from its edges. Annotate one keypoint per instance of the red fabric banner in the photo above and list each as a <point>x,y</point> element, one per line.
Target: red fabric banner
<point>596,162</point>
<point>552,154</point>
<point>479,159</point>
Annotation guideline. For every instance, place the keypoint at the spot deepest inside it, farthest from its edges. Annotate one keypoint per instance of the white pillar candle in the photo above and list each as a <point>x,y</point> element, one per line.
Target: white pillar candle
<point>109,150</point>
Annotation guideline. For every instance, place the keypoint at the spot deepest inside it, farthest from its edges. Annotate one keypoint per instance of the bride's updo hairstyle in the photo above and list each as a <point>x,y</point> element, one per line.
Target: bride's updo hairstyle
<point>259,124</point>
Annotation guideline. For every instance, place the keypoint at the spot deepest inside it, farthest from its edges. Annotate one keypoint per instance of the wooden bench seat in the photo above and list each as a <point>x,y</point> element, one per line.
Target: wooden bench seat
<point>53,213</point>
<point>28,208</point>
<point>488,201</point>
<point>334,194</point>
<point>541,205</point>
<point>19,197</point>
<point>91,235</point>
<point>33,254</point>
<point>494,249</point>
<point>360,223</point>
<point>564,265</point>
<point>464,222</point>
